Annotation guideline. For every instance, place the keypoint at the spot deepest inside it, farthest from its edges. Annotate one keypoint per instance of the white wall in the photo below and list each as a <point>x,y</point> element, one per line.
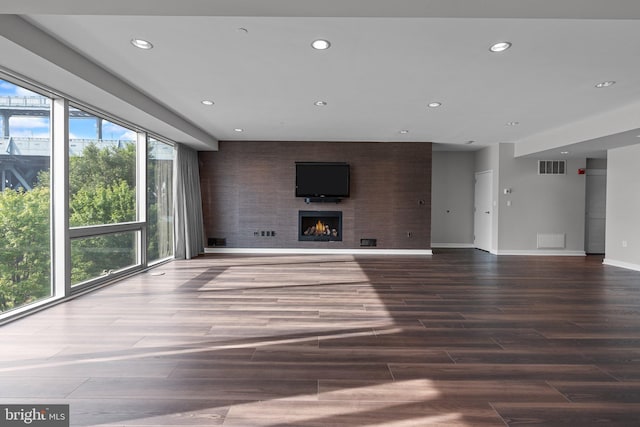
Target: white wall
<point>452,190</point>
<point>539,204</point>
<point>487,159</point>
<point>623,208</point>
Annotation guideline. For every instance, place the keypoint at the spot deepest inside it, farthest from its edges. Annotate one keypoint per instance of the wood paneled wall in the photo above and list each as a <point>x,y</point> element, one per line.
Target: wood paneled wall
<point>248,187</point>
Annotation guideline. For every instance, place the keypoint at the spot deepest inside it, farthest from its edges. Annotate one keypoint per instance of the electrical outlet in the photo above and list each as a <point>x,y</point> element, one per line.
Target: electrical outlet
<point>624,243</point>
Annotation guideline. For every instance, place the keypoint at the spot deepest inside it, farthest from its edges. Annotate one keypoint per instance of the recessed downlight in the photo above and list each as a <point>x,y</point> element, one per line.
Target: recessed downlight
<point>564,152</point>
<point>435,104</point>
<point>513,123</point>
<point>207,102</point>
<point>321,44</point>
<point>142,44</point>
<point>320,103</point>
<point>500,47</point>
<point>238,130</point>
<point>404,131</point>
<point>605,84</point>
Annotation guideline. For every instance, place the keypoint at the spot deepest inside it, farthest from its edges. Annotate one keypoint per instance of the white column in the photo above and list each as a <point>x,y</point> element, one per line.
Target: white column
<point>60,240</point>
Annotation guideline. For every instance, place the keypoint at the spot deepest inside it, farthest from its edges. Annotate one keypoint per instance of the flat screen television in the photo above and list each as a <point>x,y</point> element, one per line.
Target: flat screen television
<point>322,179</point>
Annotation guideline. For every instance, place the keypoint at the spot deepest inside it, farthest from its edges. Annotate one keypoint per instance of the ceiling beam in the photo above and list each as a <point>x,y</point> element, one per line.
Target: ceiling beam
<point>619,120</point>
<point>22,33</point>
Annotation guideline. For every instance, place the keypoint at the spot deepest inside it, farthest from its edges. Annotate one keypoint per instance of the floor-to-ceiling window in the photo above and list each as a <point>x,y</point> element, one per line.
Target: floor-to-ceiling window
<point>25,150</point>
<point>110,183</point>
<point>159,200</point>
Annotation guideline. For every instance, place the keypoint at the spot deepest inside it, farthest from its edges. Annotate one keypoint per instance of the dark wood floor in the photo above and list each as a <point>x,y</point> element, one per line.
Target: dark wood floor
<point>462,338</point>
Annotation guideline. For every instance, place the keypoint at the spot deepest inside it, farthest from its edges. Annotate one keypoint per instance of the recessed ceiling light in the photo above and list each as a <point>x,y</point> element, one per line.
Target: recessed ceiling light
<point>404,131</point>
<point>207,102</point>
<point>513,123</point>
<point>564,152</point>
<point>238,130</point>
<point>320,44</point>
<point>435,104</point>
<point>605,84</point>
<point>142,44</point>
<point>320,103</point>
<point>500,47</point>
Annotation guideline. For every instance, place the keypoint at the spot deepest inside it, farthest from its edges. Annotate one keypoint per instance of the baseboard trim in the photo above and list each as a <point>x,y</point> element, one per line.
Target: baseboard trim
<point>621,264</point>
<point>305,251</point>
<point>453,245</point>
<point>541,253</point>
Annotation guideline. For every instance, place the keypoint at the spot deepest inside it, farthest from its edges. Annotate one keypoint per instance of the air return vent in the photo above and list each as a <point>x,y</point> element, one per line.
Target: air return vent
<point>368,242</point>
<point>551,240</point>
<point>552,167</point>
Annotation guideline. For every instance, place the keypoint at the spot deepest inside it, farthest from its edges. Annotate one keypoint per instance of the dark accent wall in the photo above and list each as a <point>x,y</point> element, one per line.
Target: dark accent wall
<point>248,187</point>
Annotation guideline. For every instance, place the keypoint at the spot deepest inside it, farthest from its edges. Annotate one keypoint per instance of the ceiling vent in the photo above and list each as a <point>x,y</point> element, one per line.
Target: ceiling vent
<point>552,167</point>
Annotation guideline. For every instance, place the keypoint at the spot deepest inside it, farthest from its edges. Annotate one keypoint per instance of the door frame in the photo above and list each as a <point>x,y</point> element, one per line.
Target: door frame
<point>489,202</point>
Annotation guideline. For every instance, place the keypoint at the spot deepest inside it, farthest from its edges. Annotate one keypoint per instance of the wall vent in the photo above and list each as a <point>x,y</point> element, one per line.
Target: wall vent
<point>551,240</point>
<point>216,241</point>
<point>368,242</point>
<point>552,167</point>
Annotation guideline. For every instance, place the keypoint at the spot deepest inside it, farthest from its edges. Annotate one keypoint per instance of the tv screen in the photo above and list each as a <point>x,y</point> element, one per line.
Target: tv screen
<point>321,179</point>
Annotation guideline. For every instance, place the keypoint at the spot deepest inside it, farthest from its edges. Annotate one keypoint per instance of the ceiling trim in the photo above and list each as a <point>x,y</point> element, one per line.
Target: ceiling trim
<point>558,9</point>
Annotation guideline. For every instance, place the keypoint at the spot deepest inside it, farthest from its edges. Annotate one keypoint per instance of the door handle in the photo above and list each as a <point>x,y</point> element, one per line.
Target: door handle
<point>487,212</point>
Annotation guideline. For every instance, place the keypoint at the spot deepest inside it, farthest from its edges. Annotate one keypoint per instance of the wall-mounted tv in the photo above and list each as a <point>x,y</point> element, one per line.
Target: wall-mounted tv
<point>322,179</point>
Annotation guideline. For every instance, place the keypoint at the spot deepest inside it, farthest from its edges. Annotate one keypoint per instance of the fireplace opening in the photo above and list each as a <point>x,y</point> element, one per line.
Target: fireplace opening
<point>320,226</point>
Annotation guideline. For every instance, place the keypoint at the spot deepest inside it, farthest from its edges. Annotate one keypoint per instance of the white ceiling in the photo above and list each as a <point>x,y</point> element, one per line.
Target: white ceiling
<point>387,61</point>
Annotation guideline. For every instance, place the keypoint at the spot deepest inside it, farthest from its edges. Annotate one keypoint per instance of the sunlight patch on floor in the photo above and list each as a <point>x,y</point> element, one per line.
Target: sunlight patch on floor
<point>369,405</point>
<point>78,359</point>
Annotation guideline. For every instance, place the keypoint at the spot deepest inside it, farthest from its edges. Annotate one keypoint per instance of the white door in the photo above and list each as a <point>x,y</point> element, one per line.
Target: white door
<point>596,208</point>
<point>483,214</point>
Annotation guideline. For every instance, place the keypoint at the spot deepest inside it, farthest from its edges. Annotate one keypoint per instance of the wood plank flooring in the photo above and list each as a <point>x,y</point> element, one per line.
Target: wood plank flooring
<point>462,338</point>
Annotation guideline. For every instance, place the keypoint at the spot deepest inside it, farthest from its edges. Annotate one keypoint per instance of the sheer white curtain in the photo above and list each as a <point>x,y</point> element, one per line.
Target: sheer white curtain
<point>189,228</point>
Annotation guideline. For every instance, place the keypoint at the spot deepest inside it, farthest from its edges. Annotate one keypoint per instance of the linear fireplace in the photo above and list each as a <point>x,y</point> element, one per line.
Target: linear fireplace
<point>319,225</point>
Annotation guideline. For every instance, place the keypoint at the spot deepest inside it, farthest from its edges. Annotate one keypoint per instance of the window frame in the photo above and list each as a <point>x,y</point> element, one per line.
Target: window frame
<point>61,232</point>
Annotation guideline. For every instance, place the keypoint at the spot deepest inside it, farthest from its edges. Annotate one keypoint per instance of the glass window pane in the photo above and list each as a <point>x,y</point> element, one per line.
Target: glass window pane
<point>159,200</point>
<point>98,256</point>
<point>25,150</point>
<point>102,171</point>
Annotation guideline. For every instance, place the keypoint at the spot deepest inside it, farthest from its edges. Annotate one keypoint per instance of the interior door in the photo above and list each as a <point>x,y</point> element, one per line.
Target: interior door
<point>596,208</point>
<point>483,214</point>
